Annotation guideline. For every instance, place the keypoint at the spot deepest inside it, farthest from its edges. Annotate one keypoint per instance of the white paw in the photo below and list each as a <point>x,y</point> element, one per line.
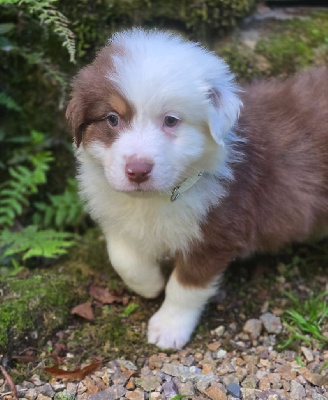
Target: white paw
<point>171,327</point>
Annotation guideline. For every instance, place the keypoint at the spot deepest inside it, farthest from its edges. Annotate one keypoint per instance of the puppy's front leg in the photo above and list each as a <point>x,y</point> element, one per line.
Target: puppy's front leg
<point>138,270</point>
<point>186,294</point>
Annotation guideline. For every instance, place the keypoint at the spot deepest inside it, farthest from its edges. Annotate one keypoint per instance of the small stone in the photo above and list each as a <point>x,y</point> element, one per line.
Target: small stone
<point>46,390</point>
<point>297,391</point>
<point>307,354</point>
<point>234,389</point>
<point>127,364</point>
<point>186,389</point>
<point>315,379</point>
<point>155,395</point>
<point>72,387</point>
<point>169,389</point>
<point>31,394</point>
<point>27,385</point>
<point>35,379</point>
<point>215,393</point>
<point>202,386</point>
<point>253,327</point>
<point>230,378</point>
<point>155,361</point>
<point>250,394</point>
<point>286,372</point>
<point>250,382</point>
<point>219,331</point>
<point>58,386</point>
<point>112,393</point>
<point>137,394</point>
<point>213,346</point>
<point>271,323</point>
<point>130,385</point>
<point>264,384</point>
<point>42,397</point>
<point>274,378</point>
<point>221,354</point>
<point>148,383</point>
<point>188,361</point>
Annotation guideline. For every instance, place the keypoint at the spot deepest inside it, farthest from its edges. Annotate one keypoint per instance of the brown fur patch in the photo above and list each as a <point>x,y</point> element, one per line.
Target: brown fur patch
<point>280,191</point>
<point>93,97</point>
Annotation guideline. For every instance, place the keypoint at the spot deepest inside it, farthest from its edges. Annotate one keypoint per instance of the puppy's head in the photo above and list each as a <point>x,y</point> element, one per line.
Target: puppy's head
<point>153,110</point>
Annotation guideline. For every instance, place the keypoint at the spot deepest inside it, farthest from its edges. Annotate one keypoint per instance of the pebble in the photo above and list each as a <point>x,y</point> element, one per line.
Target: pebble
<point>215,393</point>
<point>148,383</point>
<point>234,389</point>
<point>46,390</point>
<point>272,324</point>
<point>297,391</point>
<point>253,327</point>
<point>307,354</point>
<point>135,395</point>
<point>169,389</point>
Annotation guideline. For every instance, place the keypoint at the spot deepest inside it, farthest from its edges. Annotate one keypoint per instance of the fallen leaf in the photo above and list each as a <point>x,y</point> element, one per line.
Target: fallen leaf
<point>107,296</point>
<point>315,379</point>
<point>84,310</point>
<point>76,374</point>
<point>10,382</point>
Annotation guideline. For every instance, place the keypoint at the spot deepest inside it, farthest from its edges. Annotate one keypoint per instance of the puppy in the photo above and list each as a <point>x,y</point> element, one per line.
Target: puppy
<point>166,169</point>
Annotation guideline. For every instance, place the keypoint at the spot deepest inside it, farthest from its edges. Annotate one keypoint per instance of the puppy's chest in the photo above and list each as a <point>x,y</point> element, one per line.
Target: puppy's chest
<point>155,226</point>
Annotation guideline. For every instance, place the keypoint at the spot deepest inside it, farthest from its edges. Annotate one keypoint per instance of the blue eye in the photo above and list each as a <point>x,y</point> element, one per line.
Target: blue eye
<point>170,121</point>
<point>113,119</point>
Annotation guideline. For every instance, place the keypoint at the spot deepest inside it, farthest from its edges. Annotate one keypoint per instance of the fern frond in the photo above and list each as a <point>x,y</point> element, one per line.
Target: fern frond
<point>33,243</point>
<point>64,209</point>
<point>9,102</point>
<point>49,15</point>
<point>24,181</point>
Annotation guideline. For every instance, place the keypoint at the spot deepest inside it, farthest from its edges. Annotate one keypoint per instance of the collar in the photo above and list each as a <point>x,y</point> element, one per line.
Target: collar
<point>184,186</point>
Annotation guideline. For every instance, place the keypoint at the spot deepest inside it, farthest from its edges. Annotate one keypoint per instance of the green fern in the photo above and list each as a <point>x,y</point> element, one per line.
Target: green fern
<point>24,181</point>
<point>33,243</point>
<point>49,15</point>
<point>63,210</point>
<point>9,102</point>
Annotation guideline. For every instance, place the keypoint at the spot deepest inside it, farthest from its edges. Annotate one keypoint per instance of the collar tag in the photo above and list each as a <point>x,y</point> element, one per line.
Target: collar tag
<point>185,185</point>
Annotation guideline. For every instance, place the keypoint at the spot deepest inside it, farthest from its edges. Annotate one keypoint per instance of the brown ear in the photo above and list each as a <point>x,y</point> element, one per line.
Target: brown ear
<point>74,116</point>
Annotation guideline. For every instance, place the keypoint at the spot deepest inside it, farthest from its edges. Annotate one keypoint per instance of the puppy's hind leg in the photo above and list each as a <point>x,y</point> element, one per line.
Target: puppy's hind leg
<point>139,271</point>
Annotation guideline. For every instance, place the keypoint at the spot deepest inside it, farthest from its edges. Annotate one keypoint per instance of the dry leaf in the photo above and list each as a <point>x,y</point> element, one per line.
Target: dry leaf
<point>76,374</point>
<point>10,382</point>
<point>106,296</point>
<point>84,310</point>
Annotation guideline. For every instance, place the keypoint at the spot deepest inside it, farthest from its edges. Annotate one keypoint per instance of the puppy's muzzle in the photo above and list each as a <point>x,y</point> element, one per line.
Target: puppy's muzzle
<point>138,171</point>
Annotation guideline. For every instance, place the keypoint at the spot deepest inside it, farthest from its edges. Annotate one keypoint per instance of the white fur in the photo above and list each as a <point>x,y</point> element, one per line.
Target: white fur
<point>160,74</point>
<point>172,325</point>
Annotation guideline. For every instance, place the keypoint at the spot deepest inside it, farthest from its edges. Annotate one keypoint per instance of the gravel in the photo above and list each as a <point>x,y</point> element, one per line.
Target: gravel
<point>249,369</point>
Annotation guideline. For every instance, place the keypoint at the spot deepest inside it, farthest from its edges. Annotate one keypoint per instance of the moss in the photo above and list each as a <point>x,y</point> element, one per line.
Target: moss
<point>33,307</point>
<point>295,44</point>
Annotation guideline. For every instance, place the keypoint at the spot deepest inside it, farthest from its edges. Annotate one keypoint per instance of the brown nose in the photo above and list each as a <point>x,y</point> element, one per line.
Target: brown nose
<point>138,171</point>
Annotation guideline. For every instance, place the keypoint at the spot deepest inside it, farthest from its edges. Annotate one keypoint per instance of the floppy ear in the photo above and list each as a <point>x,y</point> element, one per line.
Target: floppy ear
<point>224,107</point>
<point>74,116</point>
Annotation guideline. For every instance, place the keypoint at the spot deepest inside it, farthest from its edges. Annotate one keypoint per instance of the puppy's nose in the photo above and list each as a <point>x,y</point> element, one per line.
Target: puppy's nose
<point>138,171</point>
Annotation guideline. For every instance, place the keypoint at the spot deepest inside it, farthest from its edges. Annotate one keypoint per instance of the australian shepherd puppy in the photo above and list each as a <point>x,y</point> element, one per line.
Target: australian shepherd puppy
<point>167,166</point>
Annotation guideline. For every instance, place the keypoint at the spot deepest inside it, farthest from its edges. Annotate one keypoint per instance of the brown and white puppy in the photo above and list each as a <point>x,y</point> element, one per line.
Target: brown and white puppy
<point>166,169</point>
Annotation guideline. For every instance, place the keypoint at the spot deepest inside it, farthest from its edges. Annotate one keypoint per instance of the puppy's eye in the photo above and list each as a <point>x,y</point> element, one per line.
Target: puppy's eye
<point>170,121</point>
<point>113,119</point>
